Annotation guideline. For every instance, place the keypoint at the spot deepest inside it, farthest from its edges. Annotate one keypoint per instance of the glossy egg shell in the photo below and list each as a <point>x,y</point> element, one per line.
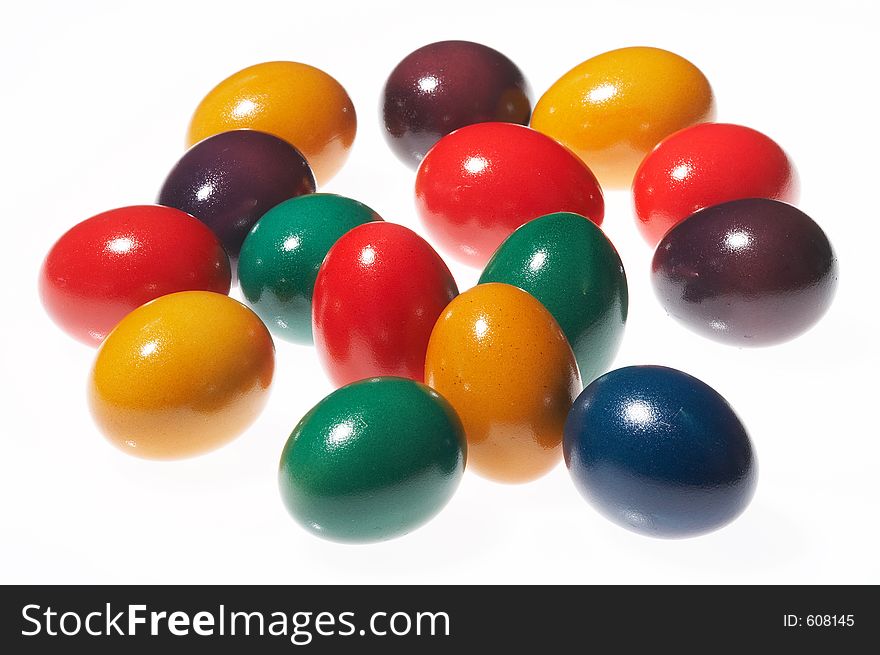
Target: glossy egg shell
<point>444,86</point>
<point>182,375</point>
<point>109,264</point>
<point>296,102</point>
<point>705,165</point>
<point>229,180</point>
<point>377,297</point>
<point>501,360</point>
<point>659,452</point>
<point>567,262</point>
<point>480,183</point>
<point>611,110</point>
<point>281,255</point>
<point>373,460</point>
<point>750,272</point>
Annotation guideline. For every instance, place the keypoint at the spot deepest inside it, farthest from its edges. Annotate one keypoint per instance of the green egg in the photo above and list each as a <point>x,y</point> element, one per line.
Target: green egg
<point>567,262</point>
<point>372,461</point>
<point>281,255</point>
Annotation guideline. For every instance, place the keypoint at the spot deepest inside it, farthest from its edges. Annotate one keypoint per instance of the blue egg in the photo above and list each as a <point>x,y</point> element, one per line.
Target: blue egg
<point>659,452</point>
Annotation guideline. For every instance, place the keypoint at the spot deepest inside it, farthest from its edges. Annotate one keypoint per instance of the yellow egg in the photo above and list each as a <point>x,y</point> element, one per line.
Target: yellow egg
<point>296,102</point>
<point>181,375</point>
<point>613,109</point>
<point>501,360</point>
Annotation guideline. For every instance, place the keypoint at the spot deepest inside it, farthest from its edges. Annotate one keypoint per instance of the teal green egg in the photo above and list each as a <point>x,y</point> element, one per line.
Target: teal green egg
<point>372,461</point>
<point>567,263</point>
<point>282,253</point>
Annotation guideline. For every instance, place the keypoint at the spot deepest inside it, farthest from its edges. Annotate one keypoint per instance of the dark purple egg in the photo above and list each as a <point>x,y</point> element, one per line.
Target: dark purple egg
<point>751,272</point>
<point>229,180</point>
<point>447,85</point>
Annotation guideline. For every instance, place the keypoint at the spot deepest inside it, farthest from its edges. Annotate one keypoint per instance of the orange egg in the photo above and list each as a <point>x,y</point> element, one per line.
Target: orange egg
<point>181,375</point>
<point>499,357</point>
<point>299,103</point>
<point>611,110</point>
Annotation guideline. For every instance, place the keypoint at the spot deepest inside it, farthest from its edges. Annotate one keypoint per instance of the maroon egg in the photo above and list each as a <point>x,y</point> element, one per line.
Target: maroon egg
<point>446,85</point>
<point>751,272</point>
<point>229,180</point>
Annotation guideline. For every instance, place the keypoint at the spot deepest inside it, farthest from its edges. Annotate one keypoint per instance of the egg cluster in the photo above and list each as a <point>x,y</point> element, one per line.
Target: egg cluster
<point>428,379</point>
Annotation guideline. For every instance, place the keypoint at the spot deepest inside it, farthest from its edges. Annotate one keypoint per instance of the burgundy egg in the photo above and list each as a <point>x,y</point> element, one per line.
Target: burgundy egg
<point>751,272</point>
<point>229,180</point>
<point>444,86</point>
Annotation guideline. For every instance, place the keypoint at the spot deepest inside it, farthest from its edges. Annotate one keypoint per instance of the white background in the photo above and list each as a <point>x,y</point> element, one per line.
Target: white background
<point>96,98</point>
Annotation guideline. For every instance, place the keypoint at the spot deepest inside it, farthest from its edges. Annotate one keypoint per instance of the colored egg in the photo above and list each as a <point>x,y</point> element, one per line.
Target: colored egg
<point>568,263</point>
<point>229,180</point>
<point>377,297</point>
<point>182,375</point>
<point>501,360</point>
<point>705,165</point>
<point>373,460</point>
<point>659,452</point>
<point>750,272</point>
<point>611,110</point>
<point>444,86</point>
<point>281,255</point>
<point>480,183</point>
<point>109,264</point>
<point>296,102</point>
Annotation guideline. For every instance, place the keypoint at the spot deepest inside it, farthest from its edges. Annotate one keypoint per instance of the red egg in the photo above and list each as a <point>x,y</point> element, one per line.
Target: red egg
<point>378,294</point>
<point>478,184</point>
<point>705,165</point>
<point>112,263</point>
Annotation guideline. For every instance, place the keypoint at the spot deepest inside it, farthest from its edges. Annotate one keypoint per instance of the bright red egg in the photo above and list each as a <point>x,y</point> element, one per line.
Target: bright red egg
<point>705,165</point>
<point>478,184</point>
<point>108,265</point>
<point>378,294</point>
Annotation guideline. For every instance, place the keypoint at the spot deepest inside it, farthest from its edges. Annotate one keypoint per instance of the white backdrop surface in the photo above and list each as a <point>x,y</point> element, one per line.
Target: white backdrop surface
<point>96,98</point>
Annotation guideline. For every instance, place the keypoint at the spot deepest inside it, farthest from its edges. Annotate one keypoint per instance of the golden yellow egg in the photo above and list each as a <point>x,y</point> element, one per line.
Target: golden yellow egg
<point>611,110</point>
<point>296,102</point>
<point>182,375</point>
<point>501,360</point>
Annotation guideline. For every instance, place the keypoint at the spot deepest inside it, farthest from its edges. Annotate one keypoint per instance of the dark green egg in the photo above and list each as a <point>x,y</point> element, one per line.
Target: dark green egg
<point>281,255</point>
<point>372,461</point>
<point>567,262</point>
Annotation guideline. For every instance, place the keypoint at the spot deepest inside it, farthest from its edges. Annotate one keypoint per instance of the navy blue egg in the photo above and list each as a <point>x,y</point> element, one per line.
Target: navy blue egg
<point>659,452</point>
